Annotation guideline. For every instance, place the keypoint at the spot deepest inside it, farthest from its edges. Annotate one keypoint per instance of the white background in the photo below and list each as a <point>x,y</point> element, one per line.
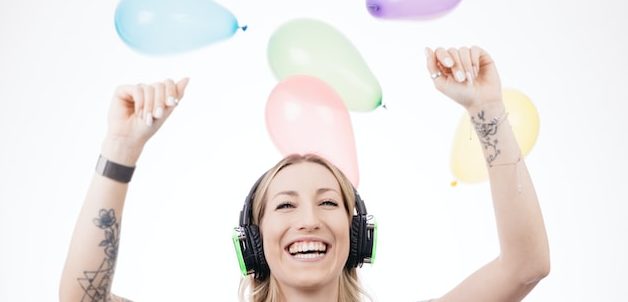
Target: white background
<point>61,60</point>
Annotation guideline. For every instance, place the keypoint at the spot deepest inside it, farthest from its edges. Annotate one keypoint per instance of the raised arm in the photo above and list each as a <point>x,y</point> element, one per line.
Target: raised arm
<point>469,77</point>
<point>136,113</point>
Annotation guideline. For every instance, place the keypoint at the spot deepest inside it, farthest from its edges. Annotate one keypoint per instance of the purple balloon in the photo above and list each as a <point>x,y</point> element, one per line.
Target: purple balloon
<point>409,9</point>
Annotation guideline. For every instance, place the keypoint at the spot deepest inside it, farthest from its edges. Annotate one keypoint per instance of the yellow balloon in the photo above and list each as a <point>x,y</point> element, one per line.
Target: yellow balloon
<point>467,160</point>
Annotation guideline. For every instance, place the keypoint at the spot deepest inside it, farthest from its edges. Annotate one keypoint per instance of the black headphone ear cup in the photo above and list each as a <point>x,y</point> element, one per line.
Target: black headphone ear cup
<point>261,267</point>
<point>354,246</point>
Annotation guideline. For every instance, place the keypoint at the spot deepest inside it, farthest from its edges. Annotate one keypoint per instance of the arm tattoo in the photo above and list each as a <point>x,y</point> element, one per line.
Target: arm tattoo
<point>97,283</point>
<point>486,131</point>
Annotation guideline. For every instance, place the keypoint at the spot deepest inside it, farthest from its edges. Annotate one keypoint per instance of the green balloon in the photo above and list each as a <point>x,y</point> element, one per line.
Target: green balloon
<point>311,47</point>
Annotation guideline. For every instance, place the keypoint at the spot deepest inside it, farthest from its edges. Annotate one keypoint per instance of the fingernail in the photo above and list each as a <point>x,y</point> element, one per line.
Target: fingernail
<point>459,76</point>
<point>448,62</point>
<point>159,112</point>
<point>427,52</point>
<point>469,77</point>
<point>170,101</point>
<point>149,119</point>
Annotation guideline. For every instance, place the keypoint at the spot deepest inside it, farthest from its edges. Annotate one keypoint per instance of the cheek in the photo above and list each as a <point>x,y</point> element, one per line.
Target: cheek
<point>271,236</point>
<point>342,231</point>
<point>343,243</point>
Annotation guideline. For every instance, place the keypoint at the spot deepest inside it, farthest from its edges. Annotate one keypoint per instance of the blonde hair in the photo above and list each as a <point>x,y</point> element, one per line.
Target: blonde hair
<point>349,289</point>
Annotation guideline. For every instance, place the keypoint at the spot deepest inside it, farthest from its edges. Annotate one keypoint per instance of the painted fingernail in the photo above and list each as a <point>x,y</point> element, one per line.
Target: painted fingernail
<point>171,101</point>
<point>448,62</point>
<point>159,112</point>
<point>149,119</point>
<point>459,76</point>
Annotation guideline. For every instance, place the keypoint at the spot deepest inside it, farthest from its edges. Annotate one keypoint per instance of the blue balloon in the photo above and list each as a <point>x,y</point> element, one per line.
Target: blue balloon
<point>172,26</point>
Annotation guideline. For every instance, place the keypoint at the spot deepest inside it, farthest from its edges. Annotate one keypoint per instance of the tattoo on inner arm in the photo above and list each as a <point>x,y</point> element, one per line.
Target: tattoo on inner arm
<point>486,131</point>
<point>97,283</point>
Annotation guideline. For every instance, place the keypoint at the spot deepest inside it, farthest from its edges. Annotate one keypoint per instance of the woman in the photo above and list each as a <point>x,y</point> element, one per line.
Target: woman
<point>310,241</point>
<point>305,224</point>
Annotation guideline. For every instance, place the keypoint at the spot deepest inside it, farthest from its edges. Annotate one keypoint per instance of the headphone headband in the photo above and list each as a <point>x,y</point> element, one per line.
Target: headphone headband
<point>247,211</point>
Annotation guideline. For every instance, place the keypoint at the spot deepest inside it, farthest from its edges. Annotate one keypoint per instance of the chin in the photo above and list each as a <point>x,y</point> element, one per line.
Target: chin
<point>312,280</point>
<point>309,278</point>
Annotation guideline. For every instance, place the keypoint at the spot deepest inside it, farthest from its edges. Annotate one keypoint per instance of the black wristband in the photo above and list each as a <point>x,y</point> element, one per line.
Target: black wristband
<point>113,170</point>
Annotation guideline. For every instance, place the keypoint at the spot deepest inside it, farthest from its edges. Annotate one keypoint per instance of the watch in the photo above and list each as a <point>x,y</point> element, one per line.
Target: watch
<point>115,171</point>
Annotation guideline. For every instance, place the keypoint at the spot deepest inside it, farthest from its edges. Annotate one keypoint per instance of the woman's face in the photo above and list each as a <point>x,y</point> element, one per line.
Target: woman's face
<point>305,227</point>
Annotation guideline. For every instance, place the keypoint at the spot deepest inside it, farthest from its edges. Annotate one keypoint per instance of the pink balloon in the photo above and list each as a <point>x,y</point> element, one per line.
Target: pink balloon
<point>305,115</point>
<point>409,9</point>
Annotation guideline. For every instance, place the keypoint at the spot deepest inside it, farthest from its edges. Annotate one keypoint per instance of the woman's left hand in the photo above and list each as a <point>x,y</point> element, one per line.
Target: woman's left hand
<point>466,75</point>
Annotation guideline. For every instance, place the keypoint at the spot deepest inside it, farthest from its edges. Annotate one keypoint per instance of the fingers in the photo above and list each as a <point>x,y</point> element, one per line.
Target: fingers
<point>475,59</point>
<point>438,72</point>
<point>457,70</point>
<point>159,101</point>
<point>181,85</point>
<point>152,102</point>
<point>462,64</point>
<point>431,65</point>
<point>138,97</point>
<point>444,58</point>
<point>171,93</point>
<point>465,60</point>
<point>132,96</point>
<point>149,99</point>
<point>444,62</point>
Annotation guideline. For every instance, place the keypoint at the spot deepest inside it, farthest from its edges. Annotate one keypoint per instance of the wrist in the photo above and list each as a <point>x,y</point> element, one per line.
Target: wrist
<point>113,170</point>
<point>491,108</point>
<point>490,121</point>
<point>121,151</point>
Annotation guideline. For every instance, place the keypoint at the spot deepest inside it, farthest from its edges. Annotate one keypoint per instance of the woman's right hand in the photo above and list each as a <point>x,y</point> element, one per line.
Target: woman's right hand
<point>135,114</point>
<point>466,75</point>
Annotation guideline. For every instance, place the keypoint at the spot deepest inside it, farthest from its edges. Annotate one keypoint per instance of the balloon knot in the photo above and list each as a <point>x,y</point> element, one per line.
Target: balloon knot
<point>244,27</point>
<point>373,7</point>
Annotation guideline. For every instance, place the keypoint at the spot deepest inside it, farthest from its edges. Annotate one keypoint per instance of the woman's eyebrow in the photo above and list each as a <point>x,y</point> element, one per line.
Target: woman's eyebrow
<point>293,193</point>
<point>325,190</point>
<point>289,193</point>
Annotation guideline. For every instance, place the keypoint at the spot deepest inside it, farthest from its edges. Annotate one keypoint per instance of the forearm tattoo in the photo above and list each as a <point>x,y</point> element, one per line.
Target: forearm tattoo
<point>486,131</point>
<point>97,283</point>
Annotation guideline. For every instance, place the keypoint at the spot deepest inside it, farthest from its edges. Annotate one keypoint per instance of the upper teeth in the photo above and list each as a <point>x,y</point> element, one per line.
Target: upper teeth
<point>307,246</point>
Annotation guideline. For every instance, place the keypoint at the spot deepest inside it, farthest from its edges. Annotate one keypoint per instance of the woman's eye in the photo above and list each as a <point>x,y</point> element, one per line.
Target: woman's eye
<point>329,203</point>
<point>284,205</point>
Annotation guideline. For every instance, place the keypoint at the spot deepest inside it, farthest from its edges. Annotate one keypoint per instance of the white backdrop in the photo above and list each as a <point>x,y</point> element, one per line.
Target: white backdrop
<point>61,60</point>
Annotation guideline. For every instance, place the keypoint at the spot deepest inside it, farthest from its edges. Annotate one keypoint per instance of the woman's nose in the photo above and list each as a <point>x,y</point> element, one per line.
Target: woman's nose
<point>309,219</point>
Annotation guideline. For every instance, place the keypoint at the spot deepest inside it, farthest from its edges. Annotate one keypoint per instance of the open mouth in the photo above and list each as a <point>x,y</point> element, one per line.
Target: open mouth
<point>307,249</point>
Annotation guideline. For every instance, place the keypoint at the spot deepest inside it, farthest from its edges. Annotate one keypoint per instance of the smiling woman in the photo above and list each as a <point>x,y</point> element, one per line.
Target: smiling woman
<point>303,207</point>
<point>299,237</point>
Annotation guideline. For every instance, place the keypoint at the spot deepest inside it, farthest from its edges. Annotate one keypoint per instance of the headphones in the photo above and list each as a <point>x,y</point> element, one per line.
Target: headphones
<point>250,252</point>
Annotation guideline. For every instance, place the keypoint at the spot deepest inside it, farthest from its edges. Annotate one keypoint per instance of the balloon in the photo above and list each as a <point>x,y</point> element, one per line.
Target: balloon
<point>409,9</point>
<point>168,27</point>
<point>311,47</point>
<point>467,160</point>
<point>305,115</point>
